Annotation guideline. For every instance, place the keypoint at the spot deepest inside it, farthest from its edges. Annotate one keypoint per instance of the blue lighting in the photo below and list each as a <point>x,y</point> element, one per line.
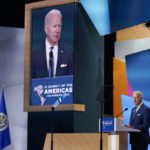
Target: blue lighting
<point>98,11</point>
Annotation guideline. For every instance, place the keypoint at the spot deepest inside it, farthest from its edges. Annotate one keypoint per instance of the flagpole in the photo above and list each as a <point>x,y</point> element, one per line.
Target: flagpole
<point>4,134</point>
<point>3,85</point>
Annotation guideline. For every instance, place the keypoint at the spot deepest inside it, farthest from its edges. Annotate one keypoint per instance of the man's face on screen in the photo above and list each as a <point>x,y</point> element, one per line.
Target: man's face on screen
<point>53,28</point>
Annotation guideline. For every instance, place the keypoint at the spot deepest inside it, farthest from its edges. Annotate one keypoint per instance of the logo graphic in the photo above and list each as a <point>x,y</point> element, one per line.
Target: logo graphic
<point>3,122</point>
<point>103,125</point>
<point>39,90</point>
<point>63,65</point>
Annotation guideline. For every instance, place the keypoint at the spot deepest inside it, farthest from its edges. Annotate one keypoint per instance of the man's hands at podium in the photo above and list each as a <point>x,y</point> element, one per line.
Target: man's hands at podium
<point>129,126</point>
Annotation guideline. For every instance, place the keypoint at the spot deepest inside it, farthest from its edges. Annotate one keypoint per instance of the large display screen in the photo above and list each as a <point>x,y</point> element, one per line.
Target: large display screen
<point>50,51</point>
<point>52,27</point>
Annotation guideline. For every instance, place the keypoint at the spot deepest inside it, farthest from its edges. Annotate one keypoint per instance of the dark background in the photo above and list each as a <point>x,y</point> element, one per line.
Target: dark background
<point>12,13</point>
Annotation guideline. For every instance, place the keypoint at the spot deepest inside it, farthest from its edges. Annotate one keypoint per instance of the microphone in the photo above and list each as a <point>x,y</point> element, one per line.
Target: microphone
<point>56,103</point>
<point>122,112</point>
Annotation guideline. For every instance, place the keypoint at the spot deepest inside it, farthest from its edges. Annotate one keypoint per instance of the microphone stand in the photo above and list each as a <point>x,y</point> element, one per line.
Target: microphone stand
<point>122,112</point>
<point>101,128</point>
<point>102,101</point>
<point>52,127</point>
<point>52,120</point>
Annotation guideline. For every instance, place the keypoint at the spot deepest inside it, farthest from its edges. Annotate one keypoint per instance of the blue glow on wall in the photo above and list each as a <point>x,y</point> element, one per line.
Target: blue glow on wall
<point>112,15</point>
<point>127,13</point>
<point>138,72</point>
<point>98,11</point>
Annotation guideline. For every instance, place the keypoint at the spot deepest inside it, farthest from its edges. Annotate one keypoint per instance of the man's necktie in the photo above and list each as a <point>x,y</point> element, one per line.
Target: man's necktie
<point>51,62</point>
<point>133,115</point>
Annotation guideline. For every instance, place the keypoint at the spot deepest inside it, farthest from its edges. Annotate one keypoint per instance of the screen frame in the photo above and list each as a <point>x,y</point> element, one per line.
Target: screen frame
<point>27,58</point>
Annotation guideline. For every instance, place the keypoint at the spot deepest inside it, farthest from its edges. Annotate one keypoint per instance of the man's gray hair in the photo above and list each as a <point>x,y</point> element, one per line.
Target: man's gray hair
<point>139,93</point>
<point>53,11</point>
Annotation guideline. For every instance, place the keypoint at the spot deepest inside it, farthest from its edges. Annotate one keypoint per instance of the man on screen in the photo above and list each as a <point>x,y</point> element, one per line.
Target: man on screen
<point>52,58</point>
<point>139,119</point>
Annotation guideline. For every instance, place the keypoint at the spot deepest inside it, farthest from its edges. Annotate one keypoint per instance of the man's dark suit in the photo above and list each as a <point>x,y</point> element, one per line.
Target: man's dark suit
<point>140,120</point>
<point>39,64</point>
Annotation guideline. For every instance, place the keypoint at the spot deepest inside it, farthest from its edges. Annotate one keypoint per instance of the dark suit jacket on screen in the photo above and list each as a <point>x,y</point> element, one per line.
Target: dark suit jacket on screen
<point>39,64</point>
<point>140,120</point>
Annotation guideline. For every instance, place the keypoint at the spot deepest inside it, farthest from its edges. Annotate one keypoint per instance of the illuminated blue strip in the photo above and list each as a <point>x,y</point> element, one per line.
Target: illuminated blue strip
<point>98,11</point>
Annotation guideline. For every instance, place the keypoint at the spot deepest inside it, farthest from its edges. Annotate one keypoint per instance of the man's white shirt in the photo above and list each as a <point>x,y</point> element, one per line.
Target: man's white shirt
<point>138,107</point>
<point>55,55</point>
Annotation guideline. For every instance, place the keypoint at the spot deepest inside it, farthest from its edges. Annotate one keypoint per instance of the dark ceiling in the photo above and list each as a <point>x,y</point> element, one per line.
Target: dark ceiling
<point>12,12</point>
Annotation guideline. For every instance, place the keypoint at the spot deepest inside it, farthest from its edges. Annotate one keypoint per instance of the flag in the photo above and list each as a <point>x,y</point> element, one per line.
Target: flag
<point>4,126</point>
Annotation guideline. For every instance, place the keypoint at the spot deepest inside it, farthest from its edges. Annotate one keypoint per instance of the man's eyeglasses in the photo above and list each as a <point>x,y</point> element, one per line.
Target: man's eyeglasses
<point>136,98</point>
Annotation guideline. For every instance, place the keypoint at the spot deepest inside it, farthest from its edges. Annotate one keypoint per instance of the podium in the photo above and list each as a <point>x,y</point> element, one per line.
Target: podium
<point>117,133</point>
<point>115,137</point>
<point>76,141</point>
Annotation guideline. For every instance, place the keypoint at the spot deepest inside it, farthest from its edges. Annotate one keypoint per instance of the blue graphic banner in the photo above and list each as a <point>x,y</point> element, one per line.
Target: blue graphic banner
<point>138,72</point>
<point>107,124</point>
<point>48,91</point>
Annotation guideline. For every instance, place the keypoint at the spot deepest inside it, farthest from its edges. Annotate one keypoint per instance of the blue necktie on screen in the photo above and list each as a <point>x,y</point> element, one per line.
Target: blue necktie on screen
<point>51,62</point>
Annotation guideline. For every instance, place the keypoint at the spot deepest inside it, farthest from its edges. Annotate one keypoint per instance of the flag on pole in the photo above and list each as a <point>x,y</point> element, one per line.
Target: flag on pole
<point>4,126</point>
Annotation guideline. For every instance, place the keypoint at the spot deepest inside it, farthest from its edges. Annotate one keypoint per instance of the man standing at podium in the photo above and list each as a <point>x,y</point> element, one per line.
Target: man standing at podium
<point>139,119</point>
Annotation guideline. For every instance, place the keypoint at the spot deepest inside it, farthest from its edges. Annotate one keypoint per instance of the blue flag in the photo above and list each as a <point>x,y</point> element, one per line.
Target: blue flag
<point>4,126</point>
